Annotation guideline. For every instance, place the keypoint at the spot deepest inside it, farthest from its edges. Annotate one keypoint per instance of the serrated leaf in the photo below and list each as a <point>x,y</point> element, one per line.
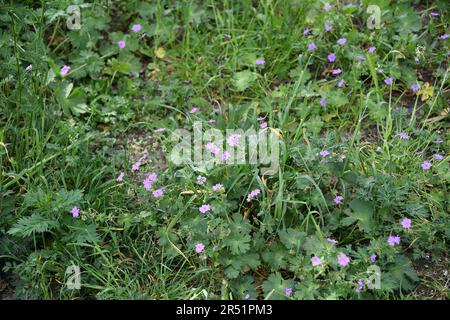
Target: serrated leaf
<point>87,234</point>
<point>362,211</point>
<point>238,244</point>
<point>275,256</point>
<point>244,287</point>
<point>239,263</point>
<point>274,287</point>
<point>64,199</point>
<point>244,79</point>
<point>35,223</point>
<point>291,238</point>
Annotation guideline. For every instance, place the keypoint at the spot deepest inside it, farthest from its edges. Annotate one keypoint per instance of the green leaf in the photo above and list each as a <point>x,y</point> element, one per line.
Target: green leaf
<point>314,124</point>
<point>244,79</point>
<point>338,99</point>
<point>243,286</point>
<point>236,264</point>
<point>362,211</point>
<point>274,287</point>
<point>238,243</point>
<point>87,234</point>
<point>68,90</point>
<point>401,275</point>
<point>377,111</point>
<point>130,65</point>
<point>313,245</point>
<point>275,256</point>
<point>64,199</point>
<point>408,20</point>
<point>292,238</point>
<point>297,72</point>
<point>35,223</point>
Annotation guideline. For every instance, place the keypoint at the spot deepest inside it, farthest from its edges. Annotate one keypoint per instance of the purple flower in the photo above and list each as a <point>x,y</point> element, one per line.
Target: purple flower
<point>233,140</point>
<point>371,49</point>
<point>225,156</point>
<point>342,41</point>
<point>160,130</point>
<point>217,187</point>
<point>213,148</point>
<point>306,31</point>
<point>403,135</point>
<point>444,36</point>
<point>438,156</point>
<point>199,247</point>
<point>158,193</point>
<point>406,223</point>
<point>253,194</point>
<point>247,296</point>
<point>330,240</point>
<point>65,70</point>
<point>136,27</point>
<point>328,27</point>
<point>263,125</point>
<point>136,166</point>
<point>204,208</point>
<point>373,258</point>
<point>343,260</point>
<point>360,285</point>
<point>332,57</point>
<point>415,87</point>
<point>426,165</point>
<point>434,14</point>
<point>341,83</point>
<point>393,240</point>
<point>312,46</point>
<point>323,102</point>
<point>30,66</point>
<point>152,177</point>
<point>338,199</point>
<point>261,118</point>
<point>316,261</point>
<point>288,292</point>
<point>75,212</point>
<point>120,177</point>
<point>388,80</point>
<point>148,182</point>
<point>324,153</point>
<point>194,110</point>
<point>147,185</point>
<point>336,71</point>
<point>327,7</point>
<point>201,180</point>
<point>121,44</point>
<point>438,141</point>
<point>260,62</point>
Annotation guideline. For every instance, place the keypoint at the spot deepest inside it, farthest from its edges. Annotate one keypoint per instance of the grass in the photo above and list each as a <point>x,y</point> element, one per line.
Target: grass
<point>64,139</point>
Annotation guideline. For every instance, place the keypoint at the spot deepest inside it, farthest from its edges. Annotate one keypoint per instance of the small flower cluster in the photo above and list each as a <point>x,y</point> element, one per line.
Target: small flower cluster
<point>253,194</point>
<point>137,164</point>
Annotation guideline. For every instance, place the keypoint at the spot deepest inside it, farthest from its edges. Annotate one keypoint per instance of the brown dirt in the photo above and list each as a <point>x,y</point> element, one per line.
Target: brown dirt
<point>138,142</point>
<point>6,290</point>
<point>434,278</point>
